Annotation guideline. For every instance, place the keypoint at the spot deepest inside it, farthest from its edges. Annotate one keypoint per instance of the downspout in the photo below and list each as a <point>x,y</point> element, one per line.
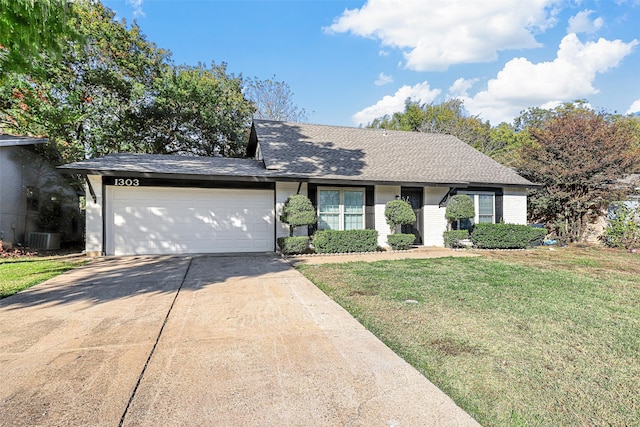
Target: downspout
<point>104,218</point>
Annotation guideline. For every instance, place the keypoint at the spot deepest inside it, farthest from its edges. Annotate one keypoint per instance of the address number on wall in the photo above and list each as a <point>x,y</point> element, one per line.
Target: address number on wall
<point>126,182</point>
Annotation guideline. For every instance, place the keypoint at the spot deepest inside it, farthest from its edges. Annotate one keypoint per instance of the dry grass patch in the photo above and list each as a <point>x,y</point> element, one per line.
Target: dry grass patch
<point>515,338</point>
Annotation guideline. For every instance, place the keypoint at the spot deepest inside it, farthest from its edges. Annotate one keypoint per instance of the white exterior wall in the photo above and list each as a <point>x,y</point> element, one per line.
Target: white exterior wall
<point>514,205</point>
<point>94,217</point>
<point>434,221</point>
<point>383,194</point>
<point>283,191</point>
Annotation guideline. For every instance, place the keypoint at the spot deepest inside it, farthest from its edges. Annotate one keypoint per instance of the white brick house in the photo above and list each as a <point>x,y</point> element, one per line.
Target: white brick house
<point>161,204</point>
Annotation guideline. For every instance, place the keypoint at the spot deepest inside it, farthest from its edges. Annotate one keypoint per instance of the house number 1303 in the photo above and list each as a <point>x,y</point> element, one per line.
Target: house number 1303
<point>127,182</point>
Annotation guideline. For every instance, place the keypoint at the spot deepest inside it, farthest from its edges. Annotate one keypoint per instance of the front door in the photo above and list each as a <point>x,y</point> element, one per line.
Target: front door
<point>413,195</point>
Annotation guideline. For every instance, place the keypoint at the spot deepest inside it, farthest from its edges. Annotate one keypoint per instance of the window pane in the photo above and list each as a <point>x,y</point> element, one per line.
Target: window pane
<point>353,222</point>
<point>329,201</point>
<point>329,222</point>
<point>353,201</point>
<point>485,208</point>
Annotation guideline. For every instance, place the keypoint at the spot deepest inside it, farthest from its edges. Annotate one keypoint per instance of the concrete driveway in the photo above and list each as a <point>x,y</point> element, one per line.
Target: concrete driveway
<point>205,340</point>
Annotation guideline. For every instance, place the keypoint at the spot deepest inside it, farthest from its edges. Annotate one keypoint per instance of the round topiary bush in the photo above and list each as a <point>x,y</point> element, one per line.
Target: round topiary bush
<point>297,211</point>
<point>398,212</point>
<point>460,207</point>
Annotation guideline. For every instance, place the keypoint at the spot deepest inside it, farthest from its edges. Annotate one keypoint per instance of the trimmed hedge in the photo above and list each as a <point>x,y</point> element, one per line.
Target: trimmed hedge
<point>293,245</point>
<point>506,236</point>
<point>340,241</point>
<point>453,237</point>
<point>400,242</point>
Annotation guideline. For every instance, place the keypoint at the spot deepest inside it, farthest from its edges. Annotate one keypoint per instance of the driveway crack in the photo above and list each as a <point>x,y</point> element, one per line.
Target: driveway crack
<point>155,344</point>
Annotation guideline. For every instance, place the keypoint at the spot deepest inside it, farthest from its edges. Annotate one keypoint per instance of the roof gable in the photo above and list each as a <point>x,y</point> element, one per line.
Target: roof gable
<point>332,152</point>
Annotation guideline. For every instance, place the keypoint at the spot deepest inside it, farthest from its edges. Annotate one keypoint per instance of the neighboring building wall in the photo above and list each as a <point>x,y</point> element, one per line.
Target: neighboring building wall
<point>94,217</point>
<point>435,222</point>
<point>515,206</point>
<point>20,169</point>
<point>11,203</point>
<point>383,194</point>
<point>283,191</point>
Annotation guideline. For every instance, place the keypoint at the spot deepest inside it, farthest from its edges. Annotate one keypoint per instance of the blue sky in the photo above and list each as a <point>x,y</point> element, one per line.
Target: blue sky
<point>348,62</point>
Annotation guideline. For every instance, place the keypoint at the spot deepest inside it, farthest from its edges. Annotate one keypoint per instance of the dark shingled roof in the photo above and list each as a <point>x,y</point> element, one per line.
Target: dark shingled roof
<point>333,152</point>
<point>168,166</point>
<point>13,140</point>
<point>295,151</point>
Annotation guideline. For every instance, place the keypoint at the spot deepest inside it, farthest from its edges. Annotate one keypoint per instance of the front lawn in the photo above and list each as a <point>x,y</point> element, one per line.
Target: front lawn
<point>17,274</point>
<point>538,337</point>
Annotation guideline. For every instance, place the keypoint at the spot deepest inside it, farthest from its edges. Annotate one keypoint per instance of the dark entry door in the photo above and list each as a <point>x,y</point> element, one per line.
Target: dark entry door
<point>414,197</point>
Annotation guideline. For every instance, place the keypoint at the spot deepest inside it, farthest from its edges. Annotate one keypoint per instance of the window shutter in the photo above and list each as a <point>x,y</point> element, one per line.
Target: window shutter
<point>312,194</point>
<point>369,208</point>
<point>499,207</point>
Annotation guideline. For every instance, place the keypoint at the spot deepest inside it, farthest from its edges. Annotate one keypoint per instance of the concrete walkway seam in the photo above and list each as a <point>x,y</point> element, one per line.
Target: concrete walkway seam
<point>153,349</point>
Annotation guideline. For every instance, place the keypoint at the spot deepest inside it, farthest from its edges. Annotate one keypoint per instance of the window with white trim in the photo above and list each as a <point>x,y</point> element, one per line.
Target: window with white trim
<point>485,206</point>
<point>340,209</point>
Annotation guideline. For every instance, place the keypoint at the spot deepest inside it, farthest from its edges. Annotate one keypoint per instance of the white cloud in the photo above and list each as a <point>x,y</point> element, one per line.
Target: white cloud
<point>635,107</point>
<point>581,23</point>
<point>383,52</point>
<point>460,87</point>
<point>395,103</point>
<point>437,33</point>
<point>522,84</point>
<point>137,7</point>
<point>383,79</point>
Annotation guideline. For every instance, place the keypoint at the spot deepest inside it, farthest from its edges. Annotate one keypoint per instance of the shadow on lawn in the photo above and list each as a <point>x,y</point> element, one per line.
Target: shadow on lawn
<point>108,279</point>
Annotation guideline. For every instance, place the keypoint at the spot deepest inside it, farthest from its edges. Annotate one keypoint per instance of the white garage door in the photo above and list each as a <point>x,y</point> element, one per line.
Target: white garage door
<point>161,220</point>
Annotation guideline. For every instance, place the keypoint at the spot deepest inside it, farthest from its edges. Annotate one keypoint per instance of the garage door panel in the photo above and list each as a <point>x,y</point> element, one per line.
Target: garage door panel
<point>152,220</point>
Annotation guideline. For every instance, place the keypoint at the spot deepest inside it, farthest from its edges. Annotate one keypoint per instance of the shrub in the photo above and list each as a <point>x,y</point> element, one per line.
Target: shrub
<point>460,207</point>
<point>337,241</point>
<point>293,245</point>
<point>506,236</point>
<point>297,211</point>
<point>623,228</point>
<point>400,242</point>
<point>398,212</point>
<point>452,238</point>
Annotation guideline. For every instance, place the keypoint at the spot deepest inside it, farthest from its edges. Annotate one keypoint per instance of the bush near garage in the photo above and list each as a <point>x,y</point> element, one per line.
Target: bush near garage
<point>342,241</point>
<point>506,236</point>
<point>452,238</point>
<point>400,242</point>
<point>298,211</point>
<point>294,245</point>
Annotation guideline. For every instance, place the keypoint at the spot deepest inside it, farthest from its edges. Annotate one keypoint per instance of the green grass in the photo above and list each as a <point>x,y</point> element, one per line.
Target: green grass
<point>17,274</point>
<point>522,338</point>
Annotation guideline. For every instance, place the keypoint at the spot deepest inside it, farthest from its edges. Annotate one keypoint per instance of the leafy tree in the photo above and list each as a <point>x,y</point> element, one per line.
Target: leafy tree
<point>114,91</point>
<point>274,100</point>
<point>459,207</point>
<point>85,97</point>
<point>575,153</point>
<point>29,27</point>
<point>195,111</point>
<point>449,118</point>
<point>399,212</point>
<point>297,211</point>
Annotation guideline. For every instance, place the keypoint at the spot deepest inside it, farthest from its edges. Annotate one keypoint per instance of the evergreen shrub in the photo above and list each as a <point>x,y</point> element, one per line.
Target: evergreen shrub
<point>341,241</point>
<point>506,236</point>
<point>400,242</point>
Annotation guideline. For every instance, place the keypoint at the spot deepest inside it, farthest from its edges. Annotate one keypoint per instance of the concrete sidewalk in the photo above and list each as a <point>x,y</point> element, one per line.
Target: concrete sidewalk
<point>242,340</point>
